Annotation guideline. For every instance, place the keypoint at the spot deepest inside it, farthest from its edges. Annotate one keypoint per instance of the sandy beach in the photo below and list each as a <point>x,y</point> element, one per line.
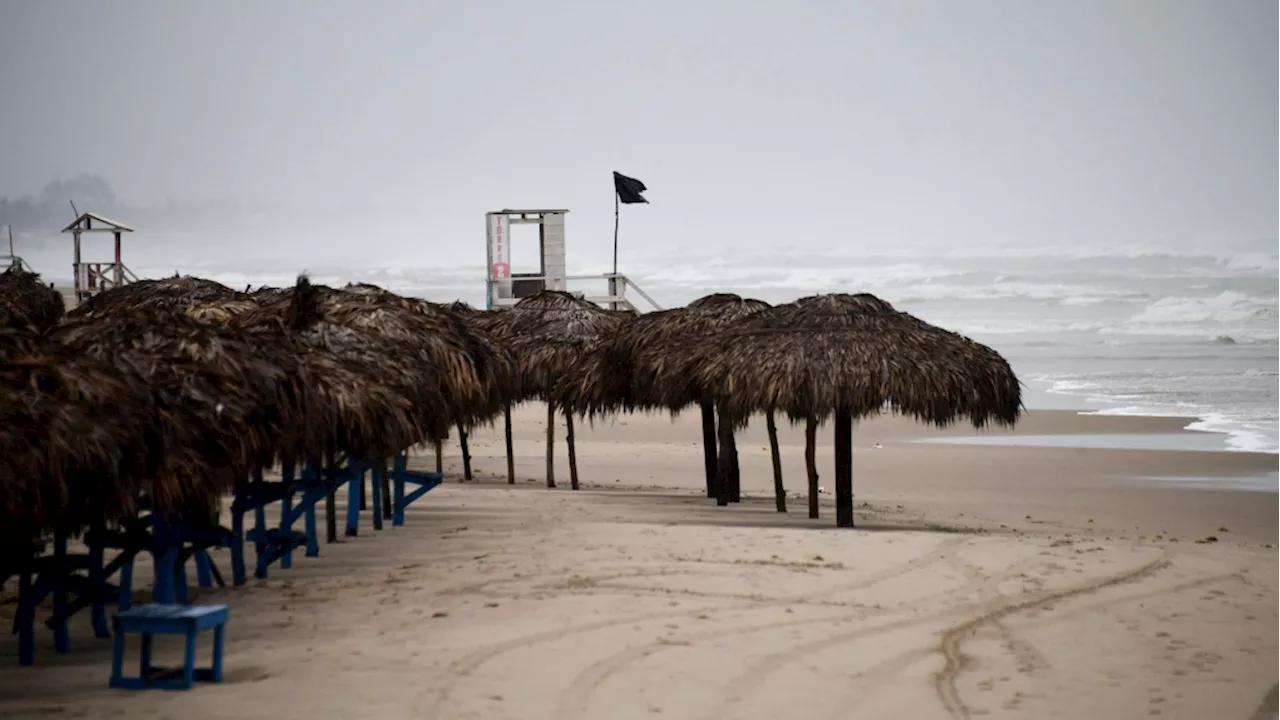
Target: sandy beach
<point>982,581</point>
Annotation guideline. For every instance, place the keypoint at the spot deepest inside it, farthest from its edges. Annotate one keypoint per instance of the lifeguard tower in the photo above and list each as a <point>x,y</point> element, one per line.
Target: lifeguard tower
<point>92,278</point>
<point>505,288</point>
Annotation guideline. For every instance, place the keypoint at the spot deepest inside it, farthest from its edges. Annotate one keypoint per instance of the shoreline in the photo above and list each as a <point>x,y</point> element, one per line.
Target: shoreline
<point>1047,398</point>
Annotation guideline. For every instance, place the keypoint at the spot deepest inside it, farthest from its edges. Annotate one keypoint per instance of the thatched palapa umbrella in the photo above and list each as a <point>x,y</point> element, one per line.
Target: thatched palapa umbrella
<point>634,372</point>
<point>851,356</point>
<point>78,441</point>
<point>548,334</point>
<point>224,401</point>
<point>25,301</point>
<point>179,294</point>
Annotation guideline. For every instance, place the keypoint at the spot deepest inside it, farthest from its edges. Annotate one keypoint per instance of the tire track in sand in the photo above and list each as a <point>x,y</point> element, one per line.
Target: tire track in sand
<point>944,682</point>
<point>574,701</point>
<point>429,703</point>
<point>754,677</point>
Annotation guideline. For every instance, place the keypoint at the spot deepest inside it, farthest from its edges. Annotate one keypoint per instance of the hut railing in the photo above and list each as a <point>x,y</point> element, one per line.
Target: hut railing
<point>11,261</point>
<point>615,296</point>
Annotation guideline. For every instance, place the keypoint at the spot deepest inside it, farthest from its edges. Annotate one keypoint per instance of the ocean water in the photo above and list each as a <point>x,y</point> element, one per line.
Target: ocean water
<point>1099,330</point>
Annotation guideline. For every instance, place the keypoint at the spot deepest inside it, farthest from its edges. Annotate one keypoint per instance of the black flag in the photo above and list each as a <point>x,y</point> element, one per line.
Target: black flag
<point>628,189</point>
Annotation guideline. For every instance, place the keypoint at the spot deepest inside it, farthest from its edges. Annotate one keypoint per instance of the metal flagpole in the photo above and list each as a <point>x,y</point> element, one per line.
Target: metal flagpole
<point>613,280</point>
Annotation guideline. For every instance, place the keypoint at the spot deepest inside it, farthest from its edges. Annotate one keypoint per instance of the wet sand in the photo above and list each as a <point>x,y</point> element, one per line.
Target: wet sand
<point>1006,582</point>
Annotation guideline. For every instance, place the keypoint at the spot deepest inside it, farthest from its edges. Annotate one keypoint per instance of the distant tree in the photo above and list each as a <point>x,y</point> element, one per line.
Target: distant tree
<point>87,191</point>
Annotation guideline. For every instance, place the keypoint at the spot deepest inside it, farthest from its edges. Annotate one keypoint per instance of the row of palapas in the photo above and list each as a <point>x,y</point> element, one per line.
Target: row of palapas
<point>176,388</point>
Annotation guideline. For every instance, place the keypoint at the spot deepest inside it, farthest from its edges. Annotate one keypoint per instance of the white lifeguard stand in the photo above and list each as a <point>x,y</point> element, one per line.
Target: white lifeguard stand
<point>503,288</point>
<point>92,278</point>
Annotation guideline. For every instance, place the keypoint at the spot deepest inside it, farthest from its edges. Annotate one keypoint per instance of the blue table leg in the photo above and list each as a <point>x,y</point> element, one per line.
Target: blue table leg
<point>164,555</point>
<point>375,482</point>
<point>313,539</point>
<point>144,664</point>
<point>286,513</point>
<point>237,548</point>
<point>189,666</point>
<point>125,599</point>
<point>97,581</point>
<point>260,532</point>
<point>61,639</point>
<point>309,497</point>
<point>117,659</point>
<point>180,591</point>
<point>354,487</point>
<point>26,620</point>
<point>204,570</point>
<point>219,643</point>
<point>397,479</point>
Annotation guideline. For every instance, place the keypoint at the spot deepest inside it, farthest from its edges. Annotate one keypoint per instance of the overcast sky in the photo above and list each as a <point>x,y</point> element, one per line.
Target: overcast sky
<point>944,123</point>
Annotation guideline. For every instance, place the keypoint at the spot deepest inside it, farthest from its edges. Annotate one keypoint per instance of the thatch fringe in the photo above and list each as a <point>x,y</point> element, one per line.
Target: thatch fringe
<point>853,354</point>
<point>549,333</point>
<point>622,375</point>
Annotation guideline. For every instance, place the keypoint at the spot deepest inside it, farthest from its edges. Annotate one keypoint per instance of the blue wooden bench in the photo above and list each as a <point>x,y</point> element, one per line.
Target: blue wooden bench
<point>154,619</point>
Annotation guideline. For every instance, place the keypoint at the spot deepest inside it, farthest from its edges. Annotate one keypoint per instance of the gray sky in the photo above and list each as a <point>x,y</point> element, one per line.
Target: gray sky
<point>891,122</point>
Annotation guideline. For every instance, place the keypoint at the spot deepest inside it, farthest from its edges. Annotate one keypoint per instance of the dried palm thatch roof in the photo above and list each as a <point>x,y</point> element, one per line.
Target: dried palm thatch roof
<point>454,343</point>
<point>224,401</point>
<point>26,301</point>
<point>178,294</point>
<point>78,439</point>
<point>846,353</point>
<point>549,333</point>
<point>620,375</point>
<point>384,372</point>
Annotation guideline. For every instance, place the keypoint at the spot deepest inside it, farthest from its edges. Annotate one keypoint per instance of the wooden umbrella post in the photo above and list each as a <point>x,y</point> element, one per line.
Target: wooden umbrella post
<point>551,444</point>
<point>779,491</point>
<point>723,480</point>
<point>384,477</point>
<point>811,463</point>
<point>466,453</point>
<point>511,458</point>
<point>844,467</point>
<point>709,444</point>
<point>735,470</point>
<point>439,456</point>
<point>573,455</point>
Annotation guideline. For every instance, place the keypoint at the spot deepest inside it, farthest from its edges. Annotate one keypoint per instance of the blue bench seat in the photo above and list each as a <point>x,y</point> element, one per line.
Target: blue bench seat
<point>158,619</point>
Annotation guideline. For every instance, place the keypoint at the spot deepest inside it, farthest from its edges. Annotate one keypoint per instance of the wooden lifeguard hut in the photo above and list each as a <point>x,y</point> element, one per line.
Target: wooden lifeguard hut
<point>92,278</point>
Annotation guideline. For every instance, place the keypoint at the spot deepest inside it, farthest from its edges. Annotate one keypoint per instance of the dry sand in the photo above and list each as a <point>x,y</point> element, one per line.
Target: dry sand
<point>982,581</point>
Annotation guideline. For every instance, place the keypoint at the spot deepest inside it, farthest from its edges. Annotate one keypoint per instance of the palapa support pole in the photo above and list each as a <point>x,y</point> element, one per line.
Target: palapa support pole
<point>844,468</point>
<point>384,477</point>
<point>466,453</point>
<point>573,454</point>
<point>811,463</point>
<point>439,456</point>
<point>511,458</point>
<point>330,518</point>
<point>723,480</point>
<point>709,444</point>
<point>779,491</point>
<point>735,470</point>
<point>551,444</point>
